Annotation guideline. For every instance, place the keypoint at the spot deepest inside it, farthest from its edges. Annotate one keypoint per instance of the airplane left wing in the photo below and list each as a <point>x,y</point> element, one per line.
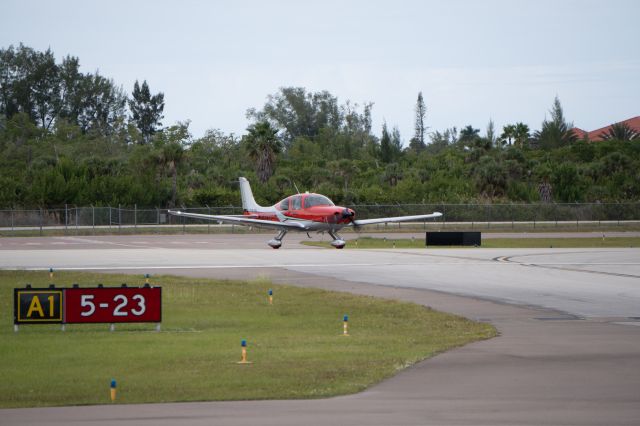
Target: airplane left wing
<point>242,220</point>
<point>395,219</point>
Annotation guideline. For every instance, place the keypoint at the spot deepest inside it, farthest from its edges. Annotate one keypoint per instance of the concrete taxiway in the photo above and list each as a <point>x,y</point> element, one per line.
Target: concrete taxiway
<point>568,351</point>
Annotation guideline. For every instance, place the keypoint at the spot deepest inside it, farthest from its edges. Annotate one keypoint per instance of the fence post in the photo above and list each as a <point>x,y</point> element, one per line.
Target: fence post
<point>76,213</point>
<point>157,220</point>
<point>93,219</point>
<point>444,215</point>
<point>110,221</point>
<point>208,222</point>
<point>12,220</point>
<point>135,216</point>
<point>120,218</point>
<point>512,218</point>
<point>41,219</point>
<point>424,221</point>
<point>66,218</point>
<point>488,215</point>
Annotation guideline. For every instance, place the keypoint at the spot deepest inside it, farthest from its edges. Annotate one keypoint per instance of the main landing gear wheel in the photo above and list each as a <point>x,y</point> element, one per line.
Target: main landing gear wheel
<point>276,242</point>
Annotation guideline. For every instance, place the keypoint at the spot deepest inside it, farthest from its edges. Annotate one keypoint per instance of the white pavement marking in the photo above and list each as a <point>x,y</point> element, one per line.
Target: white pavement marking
<point>79,240</point>
<point>223,266</point>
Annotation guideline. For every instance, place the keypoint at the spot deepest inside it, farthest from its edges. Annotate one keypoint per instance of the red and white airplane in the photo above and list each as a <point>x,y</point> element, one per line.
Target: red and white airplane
<point>301,212</point>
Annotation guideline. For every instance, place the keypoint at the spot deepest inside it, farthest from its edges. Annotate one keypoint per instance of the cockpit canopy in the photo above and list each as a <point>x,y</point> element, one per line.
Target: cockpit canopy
<point>310,200</point>
<point>317,200</point>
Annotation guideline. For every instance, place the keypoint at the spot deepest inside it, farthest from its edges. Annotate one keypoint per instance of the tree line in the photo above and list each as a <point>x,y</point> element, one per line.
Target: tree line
<point>69,137</point>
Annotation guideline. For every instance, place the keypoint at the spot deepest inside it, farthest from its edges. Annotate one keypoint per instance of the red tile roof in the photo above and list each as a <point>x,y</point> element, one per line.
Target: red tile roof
<point>581,134</point>
<point>596,135</point>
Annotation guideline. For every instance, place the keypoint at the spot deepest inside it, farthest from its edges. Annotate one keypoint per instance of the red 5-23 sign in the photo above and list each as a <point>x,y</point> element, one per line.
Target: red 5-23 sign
<point>111,305</point>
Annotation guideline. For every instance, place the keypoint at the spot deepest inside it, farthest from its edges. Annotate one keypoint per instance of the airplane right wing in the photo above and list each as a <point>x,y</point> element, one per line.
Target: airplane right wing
<point>243,220</point>
<point>395,219</point>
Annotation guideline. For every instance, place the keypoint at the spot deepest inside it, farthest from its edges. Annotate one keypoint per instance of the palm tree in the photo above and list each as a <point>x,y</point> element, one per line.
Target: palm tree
<point>620,132</point>
<point>262,146</point>
<point>508,132</point>
<point>469,133</point>
<point>170,156</point>
<point>469,137</point>
<point>556,132</point>
<point>392,174</point>
<point>521,134</point>
<point>554,135</point>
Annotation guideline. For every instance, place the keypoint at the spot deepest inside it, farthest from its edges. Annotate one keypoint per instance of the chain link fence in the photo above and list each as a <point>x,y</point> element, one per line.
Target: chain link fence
<point>117,219</point>
<point>488,213</point>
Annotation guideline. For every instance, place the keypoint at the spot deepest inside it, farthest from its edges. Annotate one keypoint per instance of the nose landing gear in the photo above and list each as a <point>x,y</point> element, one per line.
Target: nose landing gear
<point>337,242</point>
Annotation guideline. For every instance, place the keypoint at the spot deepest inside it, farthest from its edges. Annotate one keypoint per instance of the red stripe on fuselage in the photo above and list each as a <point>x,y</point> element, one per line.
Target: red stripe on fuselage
<point>262,216</point>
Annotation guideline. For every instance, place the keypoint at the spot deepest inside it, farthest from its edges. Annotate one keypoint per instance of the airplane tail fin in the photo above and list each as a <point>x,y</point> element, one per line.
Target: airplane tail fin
<point>248,203</point>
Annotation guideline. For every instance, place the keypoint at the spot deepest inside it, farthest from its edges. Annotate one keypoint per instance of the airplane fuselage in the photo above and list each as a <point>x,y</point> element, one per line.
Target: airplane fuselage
<point>316,212</point>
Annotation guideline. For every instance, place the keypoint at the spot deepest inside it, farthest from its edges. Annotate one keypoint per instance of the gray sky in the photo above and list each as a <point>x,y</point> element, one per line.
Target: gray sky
<point>473,60</point>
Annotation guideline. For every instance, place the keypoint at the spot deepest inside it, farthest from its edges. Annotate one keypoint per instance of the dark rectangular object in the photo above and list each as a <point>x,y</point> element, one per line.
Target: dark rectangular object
<point>37,306</point>
<point>454,239</point>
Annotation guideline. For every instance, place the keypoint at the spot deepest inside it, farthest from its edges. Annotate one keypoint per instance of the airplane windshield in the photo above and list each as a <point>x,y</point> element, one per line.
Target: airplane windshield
<point>317,200</point>
<point>296,203</point>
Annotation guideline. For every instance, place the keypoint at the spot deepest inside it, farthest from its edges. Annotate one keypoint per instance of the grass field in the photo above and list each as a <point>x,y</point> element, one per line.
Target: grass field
<point>380,243</point>
<point>296,344</point>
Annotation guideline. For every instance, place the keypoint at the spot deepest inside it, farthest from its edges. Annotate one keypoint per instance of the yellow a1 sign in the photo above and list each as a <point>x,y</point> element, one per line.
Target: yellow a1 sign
<point>38,306</point>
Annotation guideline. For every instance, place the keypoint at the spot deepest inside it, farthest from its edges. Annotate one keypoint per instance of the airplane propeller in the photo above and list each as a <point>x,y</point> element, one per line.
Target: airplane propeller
<point>350,215</point>
<point>338,216</point>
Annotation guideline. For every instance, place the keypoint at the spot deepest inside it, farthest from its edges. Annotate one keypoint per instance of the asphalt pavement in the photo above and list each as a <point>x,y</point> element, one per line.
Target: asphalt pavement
<point>568,351</point>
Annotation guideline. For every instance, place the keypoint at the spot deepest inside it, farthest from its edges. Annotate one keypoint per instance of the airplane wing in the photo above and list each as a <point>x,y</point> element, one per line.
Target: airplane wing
<point>242,220</point>
<point>395,219</point>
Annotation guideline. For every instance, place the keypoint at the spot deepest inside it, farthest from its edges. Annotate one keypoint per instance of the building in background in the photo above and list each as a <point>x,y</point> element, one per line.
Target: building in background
<point>598,135</point>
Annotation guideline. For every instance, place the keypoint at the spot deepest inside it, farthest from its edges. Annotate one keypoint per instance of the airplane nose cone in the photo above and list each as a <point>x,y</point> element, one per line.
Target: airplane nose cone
<point>348,213</point>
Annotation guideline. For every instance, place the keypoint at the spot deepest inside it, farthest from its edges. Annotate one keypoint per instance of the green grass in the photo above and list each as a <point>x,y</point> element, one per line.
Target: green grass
<point>296,345</point>
<point>380,243</point>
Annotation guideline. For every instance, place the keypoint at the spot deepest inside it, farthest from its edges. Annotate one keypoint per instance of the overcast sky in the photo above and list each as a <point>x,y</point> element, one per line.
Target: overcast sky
<point>473,60</point>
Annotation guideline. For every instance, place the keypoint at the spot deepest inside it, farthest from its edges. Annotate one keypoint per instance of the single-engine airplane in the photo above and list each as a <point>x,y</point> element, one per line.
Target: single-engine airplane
<point>306,212</point>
